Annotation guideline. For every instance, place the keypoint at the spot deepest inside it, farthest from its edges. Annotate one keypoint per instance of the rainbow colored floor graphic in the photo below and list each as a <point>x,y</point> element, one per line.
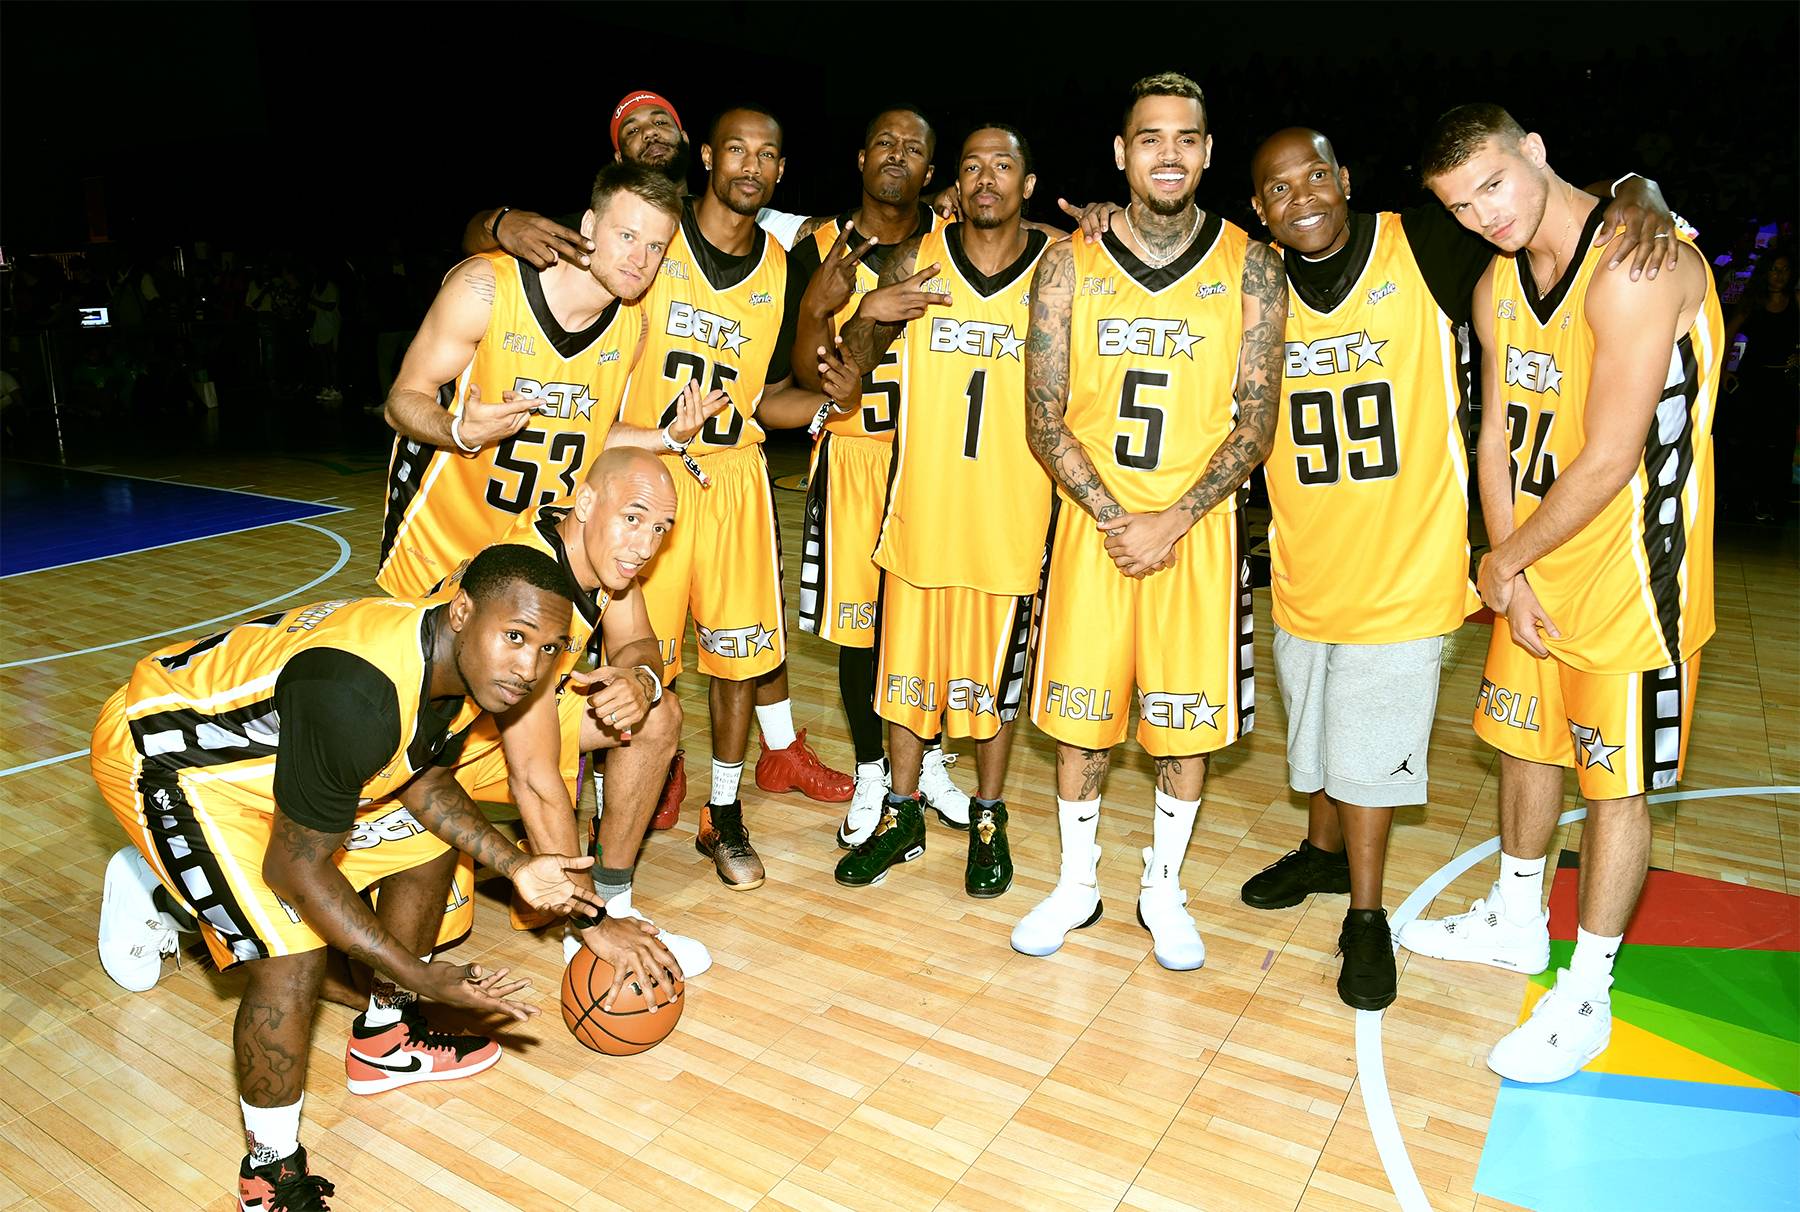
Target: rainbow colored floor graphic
<point>1694,1106</point>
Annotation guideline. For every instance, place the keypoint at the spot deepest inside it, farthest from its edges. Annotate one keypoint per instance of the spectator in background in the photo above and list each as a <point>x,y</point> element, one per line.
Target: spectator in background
<point>327,325</point>
<point>1758,416</point>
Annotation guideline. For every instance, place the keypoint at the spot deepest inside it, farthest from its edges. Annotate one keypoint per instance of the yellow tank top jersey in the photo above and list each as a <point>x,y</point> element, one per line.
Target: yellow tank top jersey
<point>206,709</point>
<point>721,334</point>
<point>1153,358</point>
<point>881,386</point>
<point>968,503</point>
<point>1368,477</point>
<point>538,531</point>
<point>442,506</point>
<point>1633,589</point>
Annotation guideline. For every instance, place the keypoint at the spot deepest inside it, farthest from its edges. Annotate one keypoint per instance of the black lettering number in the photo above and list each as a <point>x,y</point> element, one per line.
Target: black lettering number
<point>880,417</point>
<point>723,429</point>
<point>1152,416</point>
<point>1313,423</point>
<point>972,428</point>
<point>1539,472</point>
<point>525,470</point>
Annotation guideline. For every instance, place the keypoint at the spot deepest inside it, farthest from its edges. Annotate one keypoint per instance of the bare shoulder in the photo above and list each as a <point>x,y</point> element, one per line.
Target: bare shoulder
<point>1264,273</point>
<point>1615,297</point>
<point>475,275</point>
<point>1055,274</point>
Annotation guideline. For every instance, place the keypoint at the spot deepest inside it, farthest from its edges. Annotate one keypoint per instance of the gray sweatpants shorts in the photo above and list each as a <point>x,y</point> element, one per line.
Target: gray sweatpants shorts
<point>1359,717</point>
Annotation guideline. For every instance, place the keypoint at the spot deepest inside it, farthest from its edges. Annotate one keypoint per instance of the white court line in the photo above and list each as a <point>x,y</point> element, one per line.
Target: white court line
<point>120,475</point>
<point>1371,1072</point>
<point>342,559</point>
<point>42,762</point>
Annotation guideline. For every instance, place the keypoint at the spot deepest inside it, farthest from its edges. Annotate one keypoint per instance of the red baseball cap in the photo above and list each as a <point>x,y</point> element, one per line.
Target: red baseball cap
<point>638,100</point>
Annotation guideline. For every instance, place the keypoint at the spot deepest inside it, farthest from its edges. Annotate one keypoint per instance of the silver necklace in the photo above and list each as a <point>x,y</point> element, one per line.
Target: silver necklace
<point>1139,240</point>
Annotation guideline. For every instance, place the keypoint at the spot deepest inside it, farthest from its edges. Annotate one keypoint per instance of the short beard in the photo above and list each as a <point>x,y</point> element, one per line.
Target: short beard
<point>730,199</point>
<point>988,222</point>
<point>1157,205</point>
<point>676,169</point>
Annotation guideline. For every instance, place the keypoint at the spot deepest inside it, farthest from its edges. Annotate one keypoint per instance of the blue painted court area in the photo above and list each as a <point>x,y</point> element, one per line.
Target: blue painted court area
<point>52,516</point>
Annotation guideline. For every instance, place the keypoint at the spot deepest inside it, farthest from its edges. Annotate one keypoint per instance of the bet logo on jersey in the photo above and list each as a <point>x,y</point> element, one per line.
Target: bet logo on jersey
<point>561,400</point>
<point>1331,355</point>
<point>1532,370</point>
<point>1166,709</point>
<point>737,643</point>
<point>978,338</point>
<point>1147,337</point>
<point>709,328</point>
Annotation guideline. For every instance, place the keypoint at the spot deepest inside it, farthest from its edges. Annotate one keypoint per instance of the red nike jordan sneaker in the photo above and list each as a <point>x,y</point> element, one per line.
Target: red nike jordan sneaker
<point>385,1058</point>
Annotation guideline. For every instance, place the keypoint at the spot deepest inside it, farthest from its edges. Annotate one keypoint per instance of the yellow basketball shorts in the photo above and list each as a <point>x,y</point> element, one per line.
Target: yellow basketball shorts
<point>846,493</point>
<point>1624,734</point>
<point>207,846</point>
<point>722,565</point>
<point>950,659</point>
<point>1183,639</point>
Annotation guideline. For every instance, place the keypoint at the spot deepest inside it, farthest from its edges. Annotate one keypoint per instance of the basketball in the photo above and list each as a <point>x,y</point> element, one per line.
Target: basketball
<point>633,1025</point>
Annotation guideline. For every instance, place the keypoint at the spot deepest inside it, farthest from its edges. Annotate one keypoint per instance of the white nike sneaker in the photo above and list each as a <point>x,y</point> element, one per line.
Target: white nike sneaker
<point>134,933</point>
<point>690,953</point>
<point>866,802</point>
<point>1569,1027</point>
<point>1482,936</point>
<point>1162,910</point>
<point>942,796</point>
<point>1074,904</point>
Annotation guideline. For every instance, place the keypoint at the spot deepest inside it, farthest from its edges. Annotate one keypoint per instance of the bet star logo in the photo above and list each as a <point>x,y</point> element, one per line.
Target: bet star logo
<point>1532,370</point>
<point>978,338</point>
<point>709,328</point>
<point>1147,338</point>
<point>1332,355</point>
<point>1591,748</point>
<point>565,401</point>
<point>737,642</point>
<point>1161,709</point>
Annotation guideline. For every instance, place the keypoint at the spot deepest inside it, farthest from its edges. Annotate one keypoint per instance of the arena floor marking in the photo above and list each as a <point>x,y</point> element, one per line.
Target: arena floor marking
<point>41,499</point>
<point>342,559</point>
<point>1371,1071</point>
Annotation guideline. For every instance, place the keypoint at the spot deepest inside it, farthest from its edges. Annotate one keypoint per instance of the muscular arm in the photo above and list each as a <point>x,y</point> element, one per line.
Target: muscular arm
<point>1493,460</point>
<point>1634,327</point>
<point>531,738</point>
<point>630,640</point>
<point>298,866</point>
<point>478,236</point>
<point>1258,393</point>
<point>787,405</point>
<point>443,348</point>
<point>1047,385</point>
<point>442,806</point>
<point>866,340</point>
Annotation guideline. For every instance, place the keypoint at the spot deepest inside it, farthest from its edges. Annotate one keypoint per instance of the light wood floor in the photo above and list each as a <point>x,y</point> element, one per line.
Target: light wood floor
<point>873,1049</point>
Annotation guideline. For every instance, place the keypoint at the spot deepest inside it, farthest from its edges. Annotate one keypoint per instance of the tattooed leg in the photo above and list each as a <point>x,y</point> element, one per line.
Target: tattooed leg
<point>1079,772</point>
<point>274,1027</point>
<point>1181,777</point>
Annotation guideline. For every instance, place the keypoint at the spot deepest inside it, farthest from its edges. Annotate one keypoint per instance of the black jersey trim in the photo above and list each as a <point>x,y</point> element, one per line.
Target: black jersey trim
<point>567,344</point>
<point>1357,257</point>
<point>877,258</point>
<point>422,748</point>
<point>984,285</point>
<point>1671,437</point>
<point>1158,280</point>
<point>549,517</point>
<point>723,271</point>
<point>1545,308</point>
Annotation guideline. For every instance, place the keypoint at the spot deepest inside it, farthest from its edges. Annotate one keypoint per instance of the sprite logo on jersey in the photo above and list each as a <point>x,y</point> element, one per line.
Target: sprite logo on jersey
<point>1147,337</point>
<point>709,328</point>
<point>1331,355</point>
<point>978,338</point>
<point>561,400</point>
<point>1532,370</point>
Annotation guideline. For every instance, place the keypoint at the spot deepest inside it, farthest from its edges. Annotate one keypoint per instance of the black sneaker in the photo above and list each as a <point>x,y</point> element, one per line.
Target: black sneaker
<point>898,838</point>
<point>725,839</point>
<point>1367,979</point>
<point>1297,874</point>
<point>282,1186</point>
<point>989,869</point>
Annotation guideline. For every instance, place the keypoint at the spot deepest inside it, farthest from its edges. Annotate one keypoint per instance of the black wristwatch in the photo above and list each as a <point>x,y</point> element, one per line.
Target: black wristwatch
<point>582,921</point>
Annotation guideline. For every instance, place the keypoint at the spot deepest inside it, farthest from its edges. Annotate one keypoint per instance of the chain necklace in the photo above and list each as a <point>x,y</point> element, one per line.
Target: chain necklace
<point>1181,248</point>
<point>1555,255</point>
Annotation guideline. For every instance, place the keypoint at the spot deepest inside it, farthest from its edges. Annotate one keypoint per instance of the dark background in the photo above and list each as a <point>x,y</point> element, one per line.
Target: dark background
<point>206,148</point>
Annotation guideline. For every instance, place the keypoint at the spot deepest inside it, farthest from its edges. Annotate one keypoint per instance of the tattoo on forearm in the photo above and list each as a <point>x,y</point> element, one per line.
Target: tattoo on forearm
<point>452,815</point>
<point>1258,396</point>
<point>1047,385</point>
<point>810,226</point>
<point>324,898</point>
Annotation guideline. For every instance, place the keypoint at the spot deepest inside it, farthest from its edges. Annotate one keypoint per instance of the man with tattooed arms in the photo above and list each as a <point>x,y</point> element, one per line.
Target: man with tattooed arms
<point>270,774</point>
<point>1152,377</point>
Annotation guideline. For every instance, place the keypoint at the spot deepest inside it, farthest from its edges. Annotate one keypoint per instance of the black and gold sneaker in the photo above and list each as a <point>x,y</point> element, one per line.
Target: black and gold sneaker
<point>898,838</point>
<point>990,870</point>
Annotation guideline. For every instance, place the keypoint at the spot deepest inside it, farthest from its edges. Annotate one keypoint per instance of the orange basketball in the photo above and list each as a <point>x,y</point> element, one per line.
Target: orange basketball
<point>631,1026</point>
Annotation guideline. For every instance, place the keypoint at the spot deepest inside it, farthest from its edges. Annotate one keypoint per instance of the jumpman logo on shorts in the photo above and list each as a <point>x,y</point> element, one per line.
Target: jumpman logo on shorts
<point>1403,766</point>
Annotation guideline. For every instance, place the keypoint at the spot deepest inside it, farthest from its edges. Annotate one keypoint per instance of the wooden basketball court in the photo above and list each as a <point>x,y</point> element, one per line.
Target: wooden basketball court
<point>872,1049</point>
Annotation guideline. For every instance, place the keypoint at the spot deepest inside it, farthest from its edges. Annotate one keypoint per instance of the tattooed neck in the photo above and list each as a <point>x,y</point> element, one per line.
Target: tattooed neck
<point>1160,235</point>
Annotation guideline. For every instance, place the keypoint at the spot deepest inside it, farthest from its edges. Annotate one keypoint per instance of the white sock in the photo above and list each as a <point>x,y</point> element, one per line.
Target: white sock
<point>875,769</point>
<point>272,1132</point>
<point>1522,888</point>
<point>1078,823</point>
<point>726,776</point>
<point>1592,963</point>
<point>777,724</point>
<point>1170,834</point>
<point>599,790</point>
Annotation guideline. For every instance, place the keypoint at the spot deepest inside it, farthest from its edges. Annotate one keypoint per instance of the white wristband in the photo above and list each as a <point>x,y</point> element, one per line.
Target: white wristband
<point>1615,185</point>
<point>456,436</point>
<point>670,444</point>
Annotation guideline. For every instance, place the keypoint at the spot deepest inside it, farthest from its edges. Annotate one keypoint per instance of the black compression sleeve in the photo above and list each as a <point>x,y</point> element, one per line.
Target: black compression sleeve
<point>856,682</point>
<point>340,724</point>
<point>1451,257</point>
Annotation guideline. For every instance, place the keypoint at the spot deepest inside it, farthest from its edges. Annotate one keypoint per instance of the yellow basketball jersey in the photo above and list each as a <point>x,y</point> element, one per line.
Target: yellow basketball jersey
<point>968,503</point>
<point>538,531</point>
<point>444,506</point>
<point>206,709</point>
<point>1153,358</point>
<point>1368,477</point>
<point>881,386</point>
<point>721,332</point>
<point>1633,589</point>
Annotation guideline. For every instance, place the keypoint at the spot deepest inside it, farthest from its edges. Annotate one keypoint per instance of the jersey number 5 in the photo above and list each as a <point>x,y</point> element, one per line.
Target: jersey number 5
<point>723,429</point>
<point>517,457</point>
<point>1151,415</point>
